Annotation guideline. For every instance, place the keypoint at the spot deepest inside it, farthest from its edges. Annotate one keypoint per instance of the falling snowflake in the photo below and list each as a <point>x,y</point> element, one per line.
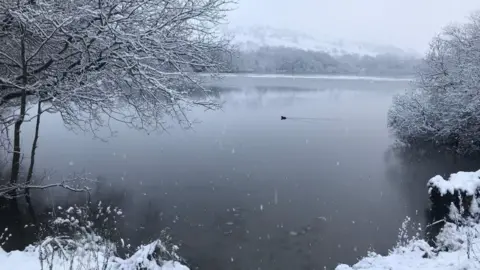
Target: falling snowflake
<point>275,197</point>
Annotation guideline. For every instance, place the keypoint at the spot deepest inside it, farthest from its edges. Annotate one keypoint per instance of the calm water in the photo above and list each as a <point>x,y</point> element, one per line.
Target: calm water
<point>244,190</point>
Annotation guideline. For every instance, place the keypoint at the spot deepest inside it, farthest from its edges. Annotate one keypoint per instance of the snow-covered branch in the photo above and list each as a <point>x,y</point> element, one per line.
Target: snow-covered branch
<point>93,59</point>
<point>73,184</point>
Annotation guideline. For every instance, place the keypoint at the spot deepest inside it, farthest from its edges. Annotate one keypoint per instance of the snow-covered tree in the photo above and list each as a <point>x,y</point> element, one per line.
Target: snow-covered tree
<point>443,106</point>
<point>94,61</point>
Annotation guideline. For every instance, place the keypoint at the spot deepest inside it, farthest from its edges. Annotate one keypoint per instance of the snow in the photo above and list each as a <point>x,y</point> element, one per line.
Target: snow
<point>412,255</point>
<point>29,260</point>
<point>469,182</point>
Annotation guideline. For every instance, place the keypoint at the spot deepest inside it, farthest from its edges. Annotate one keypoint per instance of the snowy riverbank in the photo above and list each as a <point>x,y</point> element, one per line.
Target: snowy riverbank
<point>458,244</point>
<point>451,254</point>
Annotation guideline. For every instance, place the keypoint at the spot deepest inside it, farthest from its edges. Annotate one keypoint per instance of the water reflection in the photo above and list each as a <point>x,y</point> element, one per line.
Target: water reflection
<point>244,190</point>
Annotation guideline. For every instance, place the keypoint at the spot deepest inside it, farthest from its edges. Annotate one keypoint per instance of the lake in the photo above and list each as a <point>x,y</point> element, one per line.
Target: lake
<point>245,190</point>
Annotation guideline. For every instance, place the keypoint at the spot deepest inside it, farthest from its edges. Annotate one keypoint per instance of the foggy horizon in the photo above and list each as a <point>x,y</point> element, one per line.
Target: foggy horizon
<point>405,24</point>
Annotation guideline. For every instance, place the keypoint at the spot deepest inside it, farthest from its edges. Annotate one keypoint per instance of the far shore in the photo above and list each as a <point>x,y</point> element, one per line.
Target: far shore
<point>313,76</point>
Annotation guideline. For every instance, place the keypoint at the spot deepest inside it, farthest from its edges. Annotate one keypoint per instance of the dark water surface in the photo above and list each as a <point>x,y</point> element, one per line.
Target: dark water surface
<point>244,190</point>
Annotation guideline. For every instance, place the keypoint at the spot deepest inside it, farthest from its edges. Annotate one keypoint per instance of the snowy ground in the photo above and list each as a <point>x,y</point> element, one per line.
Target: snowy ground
<point>29,260</point>
<point>417,254</point>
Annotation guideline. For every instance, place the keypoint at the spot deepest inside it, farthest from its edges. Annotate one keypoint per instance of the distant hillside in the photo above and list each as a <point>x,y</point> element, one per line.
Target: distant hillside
<point>256,37</point>
<point>268,50</point>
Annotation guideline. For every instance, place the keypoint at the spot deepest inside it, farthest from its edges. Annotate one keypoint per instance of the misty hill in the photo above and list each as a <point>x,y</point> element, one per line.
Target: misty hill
<point>270,50</point>
<point>255,37</point>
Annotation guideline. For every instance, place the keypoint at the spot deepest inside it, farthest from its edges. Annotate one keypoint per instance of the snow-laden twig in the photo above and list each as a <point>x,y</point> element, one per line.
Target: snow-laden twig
<point>6,190</point>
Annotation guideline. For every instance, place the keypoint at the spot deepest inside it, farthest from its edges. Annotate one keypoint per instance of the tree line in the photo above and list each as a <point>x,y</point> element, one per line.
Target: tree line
<point>283,60</point>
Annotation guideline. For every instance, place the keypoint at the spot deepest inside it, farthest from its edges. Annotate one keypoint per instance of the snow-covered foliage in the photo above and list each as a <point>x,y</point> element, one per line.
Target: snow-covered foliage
<point>132,61</point>
<point>82,237</point>
<point>458,196</point>
<point>97,61</point>
<point>443,106</point>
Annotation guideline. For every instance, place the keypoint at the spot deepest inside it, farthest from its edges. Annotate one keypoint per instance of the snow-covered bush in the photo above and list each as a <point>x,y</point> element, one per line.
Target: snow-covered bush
<point>457,198</point>
<point>407,227</point>
<point>443,105</point>
<point>409,117</point>
<point>80,231</point>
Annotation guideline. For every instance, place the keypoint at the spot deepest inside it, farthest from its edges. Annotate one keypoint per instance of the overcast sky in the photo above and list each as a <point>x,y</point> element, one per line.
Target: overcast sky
<point>404,23</point>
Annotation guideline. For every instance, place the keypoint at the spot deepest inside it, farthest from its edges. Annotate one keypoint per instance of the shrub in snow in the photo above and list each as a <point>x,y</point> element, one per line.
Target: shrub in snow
<point>403,234</point>
<point>73,234</point>
<point>83,237</point>
<point>457,197</point>
<point>443,106</point>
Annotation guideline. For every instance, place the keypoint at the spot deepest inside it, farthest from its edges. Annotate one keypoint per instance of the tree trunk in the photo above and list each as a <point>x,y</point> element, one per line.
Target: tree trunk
<point>18,123</point>
<point>16,154</point>
<point>34,148</point>
<point>16,143</point>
